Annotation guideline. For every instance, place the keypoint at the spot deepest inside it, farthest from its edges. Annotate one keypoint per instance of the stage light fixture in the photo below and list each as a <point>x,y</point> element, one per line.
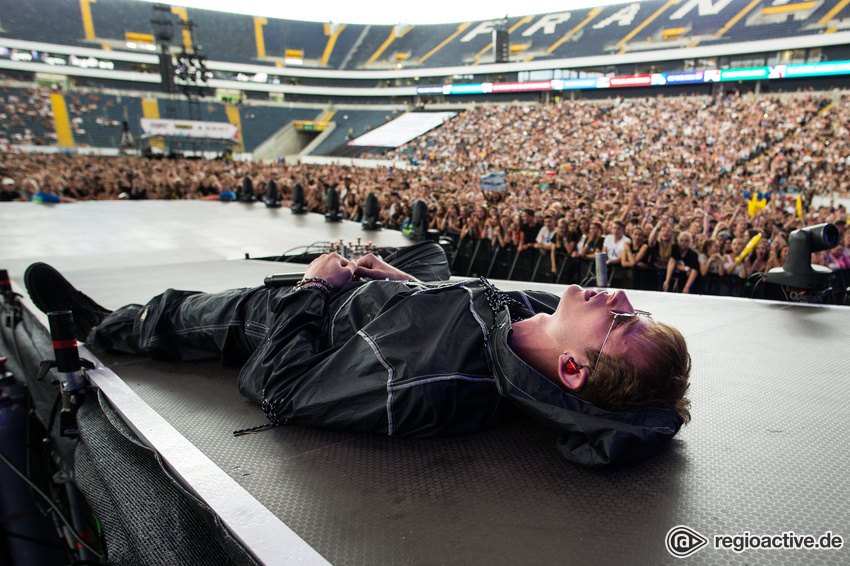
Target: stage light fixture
<point>333,213</point>
<point>371,213</point>
<point>272,198</point>
<point>420,219</point>
<point>246,190</point>
<point>298,203</point>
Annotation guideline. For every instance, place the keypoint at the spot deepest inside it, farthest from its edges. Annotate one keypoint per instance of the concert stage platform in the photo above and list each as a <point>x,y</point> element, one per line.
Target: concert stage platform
<point>765,454</point>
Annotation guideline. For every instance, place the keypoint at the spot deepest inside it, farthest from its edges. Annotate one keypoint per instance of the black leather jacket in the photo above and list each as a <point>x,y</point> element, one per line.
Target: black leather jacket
<point>419,359</point>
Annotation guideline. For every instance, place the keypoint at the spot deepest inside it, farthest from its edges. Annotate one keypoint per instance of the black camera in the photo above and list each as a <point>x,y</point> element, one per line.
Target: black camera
<point>798,271</point>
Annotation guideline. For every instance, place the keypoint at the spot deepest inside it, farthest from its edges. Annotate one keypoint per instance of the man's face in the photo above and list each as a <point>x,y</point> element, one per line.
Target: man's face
<point>549,222</point>
<point>584,317</point>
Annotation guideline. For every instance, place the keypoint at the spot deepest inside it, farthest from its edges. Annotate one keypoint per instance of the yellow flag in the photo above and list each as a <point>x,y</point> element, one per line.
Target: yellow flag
<point>755,205</point>
<point>800,208</point>
<point>751,208</point>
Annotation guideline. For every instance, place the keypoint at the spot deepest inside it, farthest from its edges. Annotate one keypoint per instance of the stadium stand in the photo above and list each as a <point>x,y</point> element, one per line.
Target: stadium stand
<point>429,45</point>
<point>98,118</point>
<point>205,110</point>
<point>26,117</point>
<point>50,21</point>
<point>368,45</point>
<point>338,53</point>
<point>260,122</point>
<point>225,37</point>
<point>349,125</point>
<point>308,39</point>
<point>647,26</point>
<point>114,20</point>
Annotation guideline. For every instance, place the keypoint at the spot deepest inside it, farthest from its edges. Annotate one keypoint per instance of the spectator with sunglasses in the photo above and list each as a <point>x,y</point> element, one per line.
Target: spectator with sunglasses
<point>365,346</point>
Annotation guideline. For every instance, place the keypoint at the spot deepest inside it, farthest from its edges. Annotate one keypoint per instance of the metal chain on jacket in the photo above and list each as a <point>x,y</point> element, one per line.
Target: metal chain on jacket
<point>274,421</point>
<point>499,300</point>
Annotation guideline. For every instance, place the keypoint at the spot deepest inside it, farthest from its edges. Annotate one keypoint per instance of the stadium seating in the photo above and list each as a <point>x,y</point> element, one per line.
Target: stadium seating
<point>260,122</point>
<point>349,125</point>
<point>50,21</point>
<point>97,119</point>
<point>307,37</point>
<point>26,116</point>
<point>113,20</point>
<point>224,37</point>
<point>415,43</point>
<point>371,42</point>
<point>595,32</point>
<point>203,110</point>
<point>345,42</point>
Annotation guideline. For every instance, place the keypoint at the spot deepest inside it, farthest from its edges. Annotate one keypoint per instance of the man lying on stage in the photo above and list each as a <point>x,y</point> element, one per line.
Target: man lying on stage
<point>362,345</point>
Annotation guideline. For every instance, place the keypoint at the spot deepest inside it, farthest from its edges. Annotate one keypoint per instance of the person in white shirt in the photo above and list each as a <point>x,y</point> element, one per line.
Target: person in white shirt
<point>546,235</point>
<point>615,243</point>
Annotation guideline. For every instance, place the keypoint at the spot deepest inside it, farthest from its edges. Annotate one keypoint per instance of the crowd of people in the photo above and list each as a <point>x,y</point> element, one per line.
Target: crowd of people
<point>656,183</point>
<point>26,117</point>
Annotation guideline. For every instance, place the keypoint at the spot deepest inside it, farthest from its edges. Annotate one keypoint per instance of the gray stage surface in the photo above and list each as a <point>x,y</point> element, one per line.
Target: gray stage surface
<point>766,452</point>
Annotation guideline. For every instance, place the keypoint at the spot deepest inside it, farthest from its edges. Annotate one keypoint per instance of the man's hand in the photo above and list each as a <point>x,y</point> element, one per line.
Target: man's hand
<point>333,268</point>
<point>373,267</point>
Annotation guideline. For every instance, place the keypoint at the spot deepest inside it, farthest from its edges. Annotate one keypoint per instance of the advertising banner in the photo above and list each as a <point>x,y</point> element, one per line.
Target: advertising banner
<point>188,129</point>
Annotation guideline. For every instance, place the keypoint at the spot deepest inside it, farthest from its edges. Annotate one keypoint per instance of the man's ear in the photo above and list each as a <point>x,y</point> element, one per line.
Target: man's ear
<point>571,373</point>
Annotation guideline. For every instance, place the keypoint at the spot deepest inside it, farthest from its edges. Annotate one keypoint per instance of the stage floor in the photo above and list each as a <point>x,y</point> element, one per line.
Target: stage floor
<point>766,452</point>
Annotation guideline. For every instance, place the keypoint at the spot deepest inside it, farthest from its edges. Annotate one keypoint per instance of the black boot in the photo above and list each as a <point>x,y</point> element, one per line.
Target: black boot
<point>51,292</point>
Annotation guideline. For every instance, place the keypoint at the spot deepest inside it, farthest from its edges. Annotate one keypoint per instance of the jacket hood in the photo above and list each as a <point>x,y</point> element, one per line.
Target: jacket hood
<point>587,435</point>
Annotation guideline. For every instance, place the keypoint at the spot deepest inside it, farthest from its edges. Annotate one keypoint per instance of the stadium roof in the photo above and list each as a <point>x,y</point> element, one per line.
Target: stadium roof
<point>390,11</point>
